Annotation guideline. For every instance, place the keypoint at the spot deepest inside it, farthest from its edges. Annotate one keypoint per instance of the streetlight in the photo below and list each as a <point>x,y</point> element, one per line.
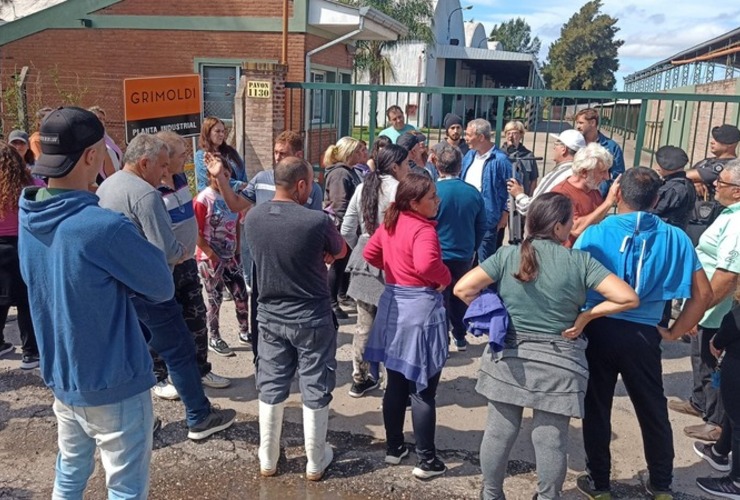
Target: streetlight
<point>449,18</point>
<point>485,40</point>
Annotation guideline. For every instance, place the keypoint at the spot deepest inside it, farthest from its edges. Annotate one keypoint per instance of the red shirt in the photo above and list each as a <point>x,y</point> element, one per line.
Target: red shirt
<point>583,202</point>
<point>411,256</point>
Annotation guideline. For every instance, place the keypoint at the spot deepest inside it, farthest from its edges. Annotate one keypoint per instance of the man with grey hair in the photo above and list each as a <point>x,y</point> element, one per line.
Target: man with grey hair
<point>131,191</point>
<point>718,253</point>
<point>566,145</point>
<point>461,224</point>
<point>487,168</point>
<point>590,168</point>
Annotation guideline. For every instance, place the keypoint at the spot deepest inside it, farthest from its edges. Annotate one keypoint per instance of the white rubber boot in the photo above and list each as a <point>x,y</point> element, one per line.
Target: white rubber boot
<point>318,451</point>
<point>271,426</point>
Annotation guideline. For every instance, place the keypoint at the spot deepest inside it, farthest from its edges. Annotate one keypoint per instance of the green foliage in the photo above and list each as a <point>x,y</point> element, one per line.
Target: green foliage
<point>515,35</point>
<point>416,15</point>
<point>585,55</point>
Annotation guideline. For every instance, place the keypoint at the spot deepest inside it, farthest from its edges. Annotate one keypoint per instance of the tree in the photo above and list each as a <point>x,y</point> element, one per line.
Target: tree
<point>416,15</point>
<point>515,35</point>
<point>585,56</point>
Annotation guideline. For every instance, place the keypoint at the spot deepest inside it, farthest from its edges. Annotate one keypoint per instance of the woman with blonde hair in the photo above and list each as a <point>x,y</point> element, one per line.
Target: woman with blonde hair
<point>341,179</point>
<point>514,134</point>
<point>14,176</point>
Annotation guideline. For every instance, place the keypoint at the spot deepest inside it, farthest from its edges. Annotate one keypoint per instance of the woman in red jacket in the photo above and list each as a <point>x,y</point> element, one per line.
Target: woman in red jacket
<point>409,334</point>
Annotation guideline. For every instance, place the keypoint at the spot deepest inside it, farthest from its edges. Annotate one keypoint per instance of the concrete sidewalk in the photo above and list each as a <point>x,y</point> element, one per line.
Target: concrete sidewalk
<point>225,466</point>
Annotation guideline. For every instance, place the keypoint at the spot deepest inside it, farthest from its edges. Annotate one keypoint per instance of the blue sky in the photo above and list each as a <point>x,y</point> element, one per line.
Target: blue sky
<point>651,29</point>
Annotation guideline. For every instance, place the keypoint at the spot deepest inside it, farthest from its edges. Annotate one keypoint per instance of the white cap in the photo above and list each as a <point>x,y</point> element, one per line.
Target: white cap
<point>572,139</point>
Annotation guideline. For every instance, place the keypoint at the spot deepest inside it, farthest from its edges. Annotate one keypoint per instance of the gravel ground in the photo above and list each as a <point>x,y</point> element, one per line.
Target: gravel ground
<point>225,465</point>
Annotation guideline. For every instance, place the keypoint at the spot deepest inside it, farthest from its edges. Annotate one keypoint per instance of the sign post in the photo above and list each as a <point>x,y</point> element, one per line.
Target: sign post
<point>154,104</point>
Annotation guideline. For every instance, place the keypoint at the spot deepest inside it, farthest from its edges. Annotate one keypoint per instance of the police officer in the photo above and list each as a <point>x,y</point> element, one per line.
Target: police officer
<point>676,197</point>
<point>723,146</point>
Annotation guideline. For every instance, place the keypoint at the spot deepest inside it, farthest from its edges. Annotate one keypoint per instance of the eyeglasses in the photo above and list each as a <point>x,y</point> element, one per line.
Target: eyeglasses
<point>721,182</point>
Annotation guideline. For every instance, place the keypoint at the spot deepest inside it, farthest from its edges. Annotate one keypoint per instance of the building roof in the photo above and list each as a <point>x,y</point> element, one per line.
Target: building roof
<point>714,50</point>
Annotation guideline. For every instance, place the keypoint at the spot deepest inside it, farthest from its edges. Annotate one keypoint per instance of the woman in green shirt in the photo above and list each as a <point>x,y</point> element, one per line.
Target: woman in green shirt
<point>543,364</point>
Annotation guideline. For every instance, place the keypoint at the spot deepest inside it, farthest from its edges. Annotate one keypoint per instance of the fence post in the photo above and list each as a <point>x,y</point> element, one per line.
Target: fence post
<point>501,102</point>
<point>640,136</point>
<point>373,117</point>
<point>22,98</point>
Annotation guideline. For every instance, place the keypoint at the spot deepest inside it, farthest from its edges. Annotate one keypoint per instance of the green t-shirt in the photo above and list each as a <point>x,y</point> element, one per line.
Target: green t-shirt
<point>550,303</point>
<point>46,193</point>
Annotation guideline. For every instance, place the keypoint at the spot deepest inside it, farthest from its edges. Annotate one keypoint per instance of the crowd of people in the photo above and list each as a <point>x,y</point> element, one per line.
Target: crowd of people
<point>105,255</point>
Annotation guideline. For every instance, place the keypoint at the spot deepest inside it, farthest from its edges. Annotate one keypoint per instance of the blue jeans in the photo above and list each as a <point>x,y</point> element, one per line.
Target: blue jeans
<point>168,335</point>
<point>121,431</point>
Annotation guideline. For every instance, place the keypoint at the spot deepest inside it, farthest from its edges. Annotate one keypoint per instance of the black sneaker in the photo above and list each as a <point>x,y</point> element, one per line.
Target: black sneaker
<point>339,313</point>
<point>347,301</point>
<point>6,347</point>
<point>156,425</point>
<point>245,338</point>
<point>220,347</point>
<point>427,469</point>
<point>585,484</point>
<point>721,486</point>
<point>652,491</point>
<point>216,421</point>
<point>717,461</point>
<point>359,390</point>
<point>29,361</point>
<point>394,456</point>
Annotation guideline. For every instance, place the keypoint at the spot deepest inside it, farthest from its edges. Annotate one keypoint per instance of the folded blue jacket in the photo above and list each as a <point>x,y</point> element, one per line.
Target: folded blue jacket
<point>487,315</point>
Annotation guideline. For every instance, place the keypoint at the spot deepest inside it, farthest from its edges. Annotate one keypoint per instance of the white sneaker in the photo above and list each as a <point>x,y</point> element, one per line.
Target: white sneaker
<point>165,390</point>
<point>215,381</point>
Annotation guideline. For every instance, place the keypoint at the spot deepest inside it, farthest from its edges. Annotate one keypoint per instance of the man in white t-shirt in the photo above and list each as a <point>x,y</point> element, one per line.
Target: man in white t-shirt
<point>487,168</point>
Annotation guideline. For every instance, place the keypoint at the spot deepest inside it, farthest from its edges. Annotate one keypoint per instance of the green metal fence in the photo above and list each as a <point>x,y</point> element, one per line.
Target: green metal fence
<point>639,122</point>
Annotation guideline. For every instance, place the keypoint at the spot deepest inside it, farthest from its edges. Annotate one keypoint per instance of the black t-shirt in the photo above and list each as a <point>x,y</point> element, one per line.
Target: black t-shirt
<point>287,243</point>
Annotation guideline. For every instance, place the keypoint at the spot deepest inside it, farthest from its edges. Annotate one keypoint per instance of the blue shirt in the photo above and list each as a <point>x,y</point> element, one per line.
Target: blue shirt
<point>461,219</point>
<point>653,257</point>
<point>611,146</point>
<point>393,134</point>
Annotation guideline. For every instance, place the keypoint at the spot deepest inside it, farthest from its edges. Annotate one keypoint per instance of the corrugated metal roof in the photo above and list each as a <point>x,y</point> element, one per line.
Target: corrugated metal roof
<point>704,47</point>
<point>458,52</point>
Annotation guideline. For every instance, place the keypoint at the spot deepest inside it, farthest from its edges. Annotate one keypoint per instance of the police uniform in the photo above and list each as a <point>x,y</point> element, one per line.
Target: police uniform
<point>677,196</point>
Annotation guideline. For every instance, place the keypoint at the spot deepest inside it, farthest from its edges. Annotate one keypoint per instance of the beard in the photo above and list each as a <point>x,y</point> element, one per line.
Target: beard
<point>454,136</point>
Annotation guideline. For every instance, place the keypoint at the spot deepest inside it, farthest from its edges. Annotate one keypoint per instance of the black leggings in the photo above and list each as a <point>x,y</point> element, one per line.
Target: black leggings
<point>423,413</point>
<point>729,389</point>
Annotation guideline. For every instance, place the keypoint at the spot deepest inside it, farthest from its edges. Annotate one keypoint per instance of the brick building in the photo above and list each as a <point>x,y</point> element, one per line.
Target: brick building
<point>80,51</point>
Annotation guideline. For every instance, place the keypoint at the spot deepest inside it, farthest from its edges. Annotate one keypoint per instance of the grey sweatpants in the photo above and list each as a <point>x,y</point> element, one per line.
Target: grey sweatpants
<point>550,439</point>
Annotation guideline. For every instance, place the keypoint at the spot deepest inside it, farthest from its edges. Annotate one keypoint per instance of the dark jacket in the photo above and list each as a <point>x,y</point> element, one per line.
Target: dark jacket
<point>728,336</point>
<point>340,180</point>
<point>676,198</point>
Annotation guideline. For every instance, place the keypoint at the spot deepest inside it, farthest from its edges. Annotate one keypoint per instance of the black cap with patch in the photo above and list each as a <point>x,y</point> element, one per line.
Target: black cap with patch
<point>64,135</point>
<point>726,134</point>
<point>671,157</point>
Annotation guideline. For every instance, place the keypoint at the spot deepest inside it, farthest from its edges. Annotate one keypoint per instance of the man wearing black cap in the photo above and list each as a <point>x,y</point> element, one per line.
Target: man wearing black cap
<point>454,132</point>
<point>723,146</point>
<point>76,259</point>
<point>676,197</point>
<point>413,142</point>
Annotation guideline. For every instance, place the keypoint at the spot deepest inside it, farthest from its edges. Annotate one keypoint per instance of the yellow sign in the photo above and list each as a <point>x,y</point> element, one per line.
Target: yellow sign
<point>259,89</point>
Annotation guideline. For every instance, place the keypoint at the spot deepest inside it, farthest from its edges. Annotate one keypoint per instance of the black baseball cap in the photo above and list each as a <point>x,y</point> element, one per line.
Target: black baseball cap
<point>64,135</point>
<point>410,139</point>
<point>671,157</point>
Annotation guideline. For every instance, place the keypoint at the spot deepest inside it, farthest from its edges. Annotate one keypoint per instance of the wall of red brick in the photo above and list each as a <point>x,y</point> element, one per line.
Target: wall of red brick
<point>59,74</point>
<point>710,115</point>
<point>237,8</point>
